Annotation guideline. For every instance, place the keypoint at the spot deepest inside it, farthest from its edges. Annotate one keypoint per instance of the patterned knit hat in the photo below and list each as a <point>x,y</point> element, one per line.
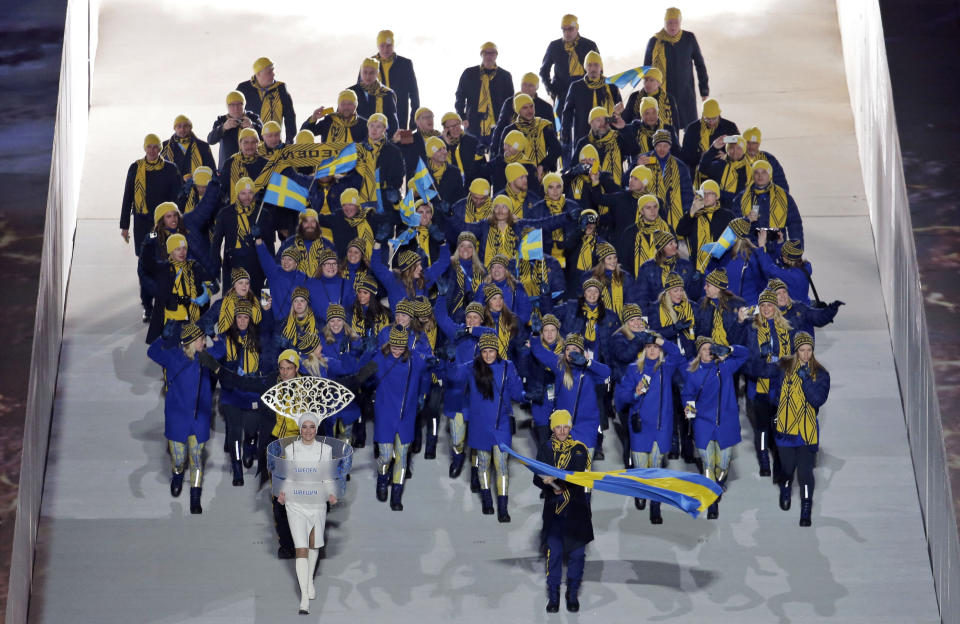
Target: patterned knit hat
<point>605,249</point>
<point>776,284</point>
<point>407,259</point>
<point>629,311</point>
<point>326,255</point>
<point>291,252</point>
<point>335,310</point>
<point>672,281</point>
<point>802,338</point>
<point>702,340</point>
<point>475,307</point>
<point>740,227</point>
<point>499,259</point>
<point>238,274</point>
<point>359,244</point>
<point>490,291</point>
<point>300,291</point>
<point>188,333</point>
<point>592,283</point>
<point>718,277</point>
<point>575,340</point>
<point>549,319</point>
<point>489,341</point>
<point>406,306</point>
<point>662,136</point>
<point>398,336</point>
<point>661,239</point>
<point>792,250</point>
<point>242,306</point>
<point>468,236</point>
<point>422,307</point>
<point>367,283</point>
<point>307,343</point>
<point>767,296</point>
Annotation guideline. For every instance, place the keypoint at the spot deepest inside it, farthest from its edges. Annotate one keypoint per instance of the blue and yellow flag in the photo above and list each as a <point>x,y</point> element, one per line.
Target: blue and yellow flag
<point>556,118</point>
<point>342,163</point>
<point>531,246</point>
<point>376,181</point>
<point>283,192</point>
<point>423,181</point>
<point>408,210</point>
<point>405,237</point>
<point>630,77</point>
<point>717,249</point>
<point>687,491</point>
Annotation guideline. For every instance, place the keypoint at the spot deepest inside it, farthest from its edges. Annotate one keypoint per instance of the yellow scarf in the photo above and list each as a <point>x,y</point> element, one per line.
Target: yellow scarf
<point>761,155</point>
<point>437,170</point>
<point>704,236</point>
<point>532,273</point>
<point>499,242</point>
<point>574,67</point>
<point>309,258</point>
<point>645,136</point>
<point>474,213</point>
<point>556,206</point>
<point>671,313</point>
<point>192,200</point>
<point>385,65</point>
<point>730,179</point>
<point>503,337</point>
<point>249,358</point>
<point>643,247</point>
<point>359,322</point>
<point>613,294</point>
<point>267,152</point>
<point>666,268</point>
<point>536,143</point>
<point>582,181</point>
<point>183,286</point>
<point>229,304</point>
<point>367,155</point>
<point>364,231</point>
<point>718,334</point>
<point>610,157</point>
<point>423,241</point>
<point>562,452</point>
<point>659,56</point>
<point>271,106</point>
<point>454,159</point>
<point>238,169</point>
<point>296,328</point>
<point>590,327</point>
<point>189,145</point>
<point>140,184</point>
<point>585,257</point>
<point>663,105</point>
<point>668,191</point>
<point>475,278</point>
<point>285,425</point>
<point>600,86</point>
<point>243,224</point>
<point>339,134</point>
<point>378,91</point>
<point>763,336</point>
<point>705,133</point>
<point>488,117</point>
<point>518,198</point>
<point>795,416</point>
<point>778,203</point>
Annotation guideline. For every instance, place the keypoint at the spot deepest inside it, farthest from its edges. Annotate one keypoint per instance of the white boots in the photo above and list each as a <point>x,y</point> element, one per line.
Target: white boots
<point>305,568</point>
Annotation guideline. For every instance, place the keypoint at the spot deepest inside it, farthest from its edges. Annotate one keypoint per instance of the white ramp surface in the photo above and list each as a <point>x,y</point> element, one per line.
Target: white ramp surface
<point>115,547</point>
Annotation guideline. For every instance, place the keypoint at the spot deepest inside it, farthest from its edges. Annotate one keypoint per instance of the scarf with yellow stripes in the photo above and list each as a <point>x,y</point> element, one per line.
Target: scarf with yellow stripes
<point>591,316</point>
<point>645,136</point>
<point>518,197</point>
<point>666,268</point>
<point>238,169</point>
<point>602,95</point>
<point>499,242</point>
<point>703,235</point>
<point>285,425</point>
<point>667,189</point>
<point>536,143</point>
<point>659,56</point>
<point>309,262</point>
<point>761,155</point>
<point>140,184</point>
<point>243,224</point>
<point>192,198</point>
<point>249,359</point>
<point>795,416</point>
<point>339,134</point>
<point>611,159</point>
<point>359,322</point>
<point>267,152</point>
<point>556,206</point>
<point>474,213</point>
<point>532,273</point>
<point>562,452</point>
<point>585,258</point>
<point>229,304</point>
<point>423,241</point>
<point>730,179</point>
<point>778,203</point>
<point>183,286</point>
<point>476,276</point>
<point>297,327</point>
<point>574,66</point>
<point>643,246</point>
<point>378,91</point>
<point>503,336</point>
<point>188,145</point>
<point>271,106</point>
<point>437,170</point>
<point>367,155</point>
<point>663,105</point>
<point>488,117</point>
<point>763,336</point>
<point>612,293</point>
<point>671,313</point>
<point>718,333</point>
<point>454,158</point>
<point>364,231</point>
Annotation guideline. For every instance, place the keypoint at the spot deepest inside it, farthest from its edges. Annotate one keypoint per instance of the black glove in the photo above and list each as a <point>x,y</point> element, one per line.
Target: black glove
<point>536,324</point>
<point>681,325</point>
<point>364,373</point>
<point>836,304</point>
<point>579,169</point>
<point>436,233</point>
<point>433,363</point>
<point>172,302</point>
<point>577,359</point>
<point>391,196</point>
<point>573,216</point>
<point>169,330</point>
<point>443,286</point>
<point>645,337</point>
<point>214,286</point>
<point>383,231</point>
<point>765,349</point>
<point>255,231</point>
<point>719,350</point>
<point>635,424</point>
<point>463,331</point>
<point>208,362</point>
<point>804,372</point>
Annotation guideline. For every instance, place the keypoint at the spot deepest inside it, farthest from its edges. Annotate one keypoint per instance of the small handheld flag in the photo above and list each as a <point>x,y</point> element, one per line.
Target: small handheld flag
<point>342,163</point>
<point>631,76</point>
<point>283,192</point>
<point>405,237</point>
<point>408,210</point>
<point>376,181</point>
<point>723,243</point>
<point>531,247</point>
<point>423,181</point>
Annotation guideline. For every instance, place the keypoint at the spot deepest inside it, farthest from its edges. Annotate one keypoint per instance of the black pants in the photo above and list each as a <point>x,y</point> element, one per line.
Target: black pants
<point>282,526</point>
<point>142,224</point>
<point>802,459</point>
<point>763,434</point>
<point>241,424</point>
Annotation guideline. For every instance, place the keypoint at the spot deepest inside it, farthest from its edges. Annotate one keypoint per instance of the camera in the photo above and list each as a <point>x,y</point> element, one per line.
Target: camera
<point>699,193</point>
<point>731,139</point>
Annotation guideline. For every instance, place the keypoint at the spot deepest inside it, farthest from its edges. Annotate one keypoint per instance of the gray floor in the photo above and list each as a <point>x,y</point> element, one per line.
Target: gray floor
<point>114,547</point>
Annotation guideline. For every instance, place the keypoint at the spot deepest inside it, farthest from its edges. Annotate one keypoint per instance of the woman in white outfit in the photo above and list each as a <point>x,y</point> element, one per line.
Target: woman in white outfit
<point>307,522</point>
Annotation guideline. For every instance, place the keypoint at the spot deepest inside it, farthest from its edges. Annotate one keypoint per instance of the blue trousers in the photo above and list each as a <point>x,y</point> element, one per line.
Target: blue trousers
<point>555,556</point>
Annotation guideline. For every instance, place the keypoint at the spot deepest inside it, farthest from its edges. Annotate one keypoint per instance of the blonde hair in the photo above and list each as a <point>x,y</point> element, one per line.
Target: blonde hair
<point>778,320</point>
<point>313,364</point>
<point>347,329</point>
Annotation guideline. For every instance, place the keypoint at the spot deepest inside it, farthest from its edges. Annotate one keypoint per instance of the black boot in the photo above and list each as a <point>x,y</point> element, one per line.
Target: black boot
<point>285,553</point>
<point>763,458</point>
<point>486,502</point>
<point>655,517</point>
<point>713,511</point>
<point>474,479</point>
<point>396,493</point>
<point>383,480</point>
<point>785,496</point>
<point>502,515</point>
<point>430,450</point>
<point>359,434</point>
<point>249,451</point>
<point>195,507</point>
<point>456,464</point>
<point>237,472</point>
<point>598,450</point>
<point>806,508</point>
<point>640,503</point>
<point>176,484</point>
<point>409,469</point>
<point>573,605</point>
<point>553,599</point>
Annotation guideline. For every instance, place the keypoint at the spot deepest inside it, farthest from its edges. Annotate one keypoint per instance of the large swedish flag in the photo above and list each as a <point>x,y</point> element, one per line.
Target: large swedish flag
<point>631,76</point>
<point>285,193</point>
<point>687,491</point>
<point>531,246</point>
<point>342,163</point>
<point>423,181</point>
